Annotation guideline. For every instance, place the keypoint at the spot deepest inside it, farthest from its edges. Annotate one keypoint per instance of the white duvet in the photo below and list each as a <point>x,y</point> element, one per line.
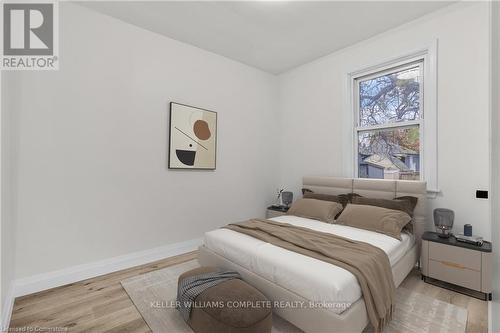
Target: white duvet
<point>313,279</point>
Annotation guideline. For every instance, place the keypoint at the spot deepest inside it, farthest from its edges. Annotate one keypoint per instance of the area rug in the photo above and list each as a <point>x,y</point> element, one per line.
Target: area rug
<point>154,294</point>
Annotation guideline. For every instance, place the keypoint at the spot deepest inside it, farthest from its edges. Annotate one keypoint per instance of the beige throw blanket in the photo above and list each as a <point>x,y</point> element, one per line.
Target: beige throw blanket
<point>368,263</point>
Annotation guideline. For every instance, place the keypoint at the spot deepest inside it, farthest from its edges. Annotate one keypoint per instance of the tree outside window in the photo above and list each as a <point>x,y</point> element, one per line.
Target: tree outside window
<point>389,123</point>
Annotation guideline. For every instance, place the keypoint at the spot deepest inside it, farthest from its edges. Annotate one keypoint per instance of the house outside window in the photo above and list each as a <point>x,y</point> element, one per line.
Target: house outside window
<point>389,118</point>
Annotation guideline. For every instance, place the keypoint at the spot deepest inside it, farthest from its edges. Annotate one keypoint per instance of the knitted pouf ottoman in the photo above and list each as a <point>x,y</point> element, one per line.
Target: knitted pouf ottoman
<point>232,306</point>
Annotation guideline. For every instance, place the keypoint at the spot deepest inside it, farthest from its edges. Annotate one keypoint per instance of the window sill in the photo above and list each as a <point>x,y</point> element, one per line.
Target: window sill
<point>432,193</point>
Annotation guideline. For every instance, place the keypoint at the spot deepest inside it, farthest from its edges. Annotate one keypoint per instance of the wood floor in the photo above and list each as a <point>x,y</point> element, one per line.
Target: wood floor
<point>102,305</point>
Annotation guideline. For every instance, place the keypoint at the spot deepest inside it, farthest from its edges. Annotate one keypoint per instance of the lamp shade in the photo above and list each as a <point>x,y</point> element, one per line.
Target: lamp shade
<point>443,220</point>
<point>287,198</point>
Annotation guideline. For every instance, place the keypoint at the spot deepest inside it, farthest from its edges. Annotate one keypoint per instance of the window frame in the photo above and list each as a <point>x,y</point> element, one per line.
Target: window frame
<point>358,128</point>
<point>429,53</point>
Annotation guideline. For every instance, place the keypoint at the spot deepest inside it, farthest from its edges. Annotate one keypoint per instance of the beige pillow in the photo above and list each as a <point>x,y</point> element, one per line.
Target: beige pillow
<point>341,199</point>
<point>386,221</point>
<point>315,209</point>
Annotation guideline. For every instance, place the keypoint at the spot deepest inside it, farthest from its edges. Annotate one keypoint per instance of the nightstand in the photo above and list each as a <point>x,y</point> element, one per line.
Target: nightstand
<point>460,264</point>
<point>273,211</point>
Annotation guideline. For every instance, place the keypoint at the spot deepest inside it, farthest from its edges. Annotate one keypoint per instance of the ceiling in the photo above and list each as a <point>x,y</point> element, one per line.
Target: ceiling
<point>274,36</point>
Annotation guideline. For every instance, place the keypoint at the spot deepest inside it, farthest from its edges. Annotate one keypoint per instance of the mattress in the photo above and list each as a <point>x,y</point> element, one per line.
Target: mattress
<point>323,284</point>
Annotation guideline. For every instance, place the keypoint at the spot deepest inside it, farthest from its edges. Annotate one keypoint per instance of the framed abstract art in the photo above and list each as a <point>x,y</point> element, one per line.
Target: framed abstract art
<point>193,138</point>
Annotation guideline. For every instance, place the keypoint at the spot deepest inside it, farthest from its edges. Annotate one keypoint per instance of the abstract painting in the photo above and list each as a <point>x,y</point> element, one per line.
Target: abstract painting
<point>193,138</point>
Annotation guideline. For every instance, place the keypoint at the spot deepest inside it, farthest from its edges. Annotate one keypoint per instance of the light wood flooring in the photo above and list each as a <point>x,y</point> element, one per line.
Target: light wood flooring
<point>101,304</point>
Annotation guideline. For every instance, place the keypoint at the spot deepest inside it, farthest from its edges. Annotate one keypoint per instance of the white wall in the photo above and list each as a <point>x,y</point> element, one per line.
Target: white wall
<point>7,214</point>
<point>312,113</point>
<point>92,177</point>
<point>88,143</point>
<point>1,219</point>
<point>495,125</point>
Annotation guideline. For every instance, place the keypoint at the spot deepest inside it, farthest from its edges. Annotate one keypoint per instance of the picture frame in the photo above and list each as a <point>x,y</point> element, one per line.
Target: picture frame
<point>192,138</point>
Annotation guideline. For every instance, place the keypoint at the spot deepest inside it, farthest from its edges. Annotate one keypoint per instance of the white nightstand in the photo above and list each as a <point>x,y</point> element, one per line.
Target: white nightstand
<point>460,264</point>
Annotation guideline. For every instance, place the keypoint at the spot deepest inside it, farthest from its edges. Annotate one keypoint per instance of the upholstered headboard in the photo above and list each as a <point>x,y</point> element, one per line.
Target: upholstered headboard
<point>376,188</point>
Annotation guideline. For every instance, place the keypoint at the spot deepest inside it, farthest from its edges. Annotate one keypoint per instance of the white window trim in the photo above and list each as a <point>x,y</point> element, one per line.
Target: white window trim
<point>429,125</point>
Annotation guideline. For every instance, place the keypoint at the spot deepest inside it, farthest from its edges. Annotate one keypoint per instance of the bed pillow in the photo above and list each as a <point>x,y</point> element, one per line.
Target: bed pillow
<point>320,210</point>
<point>341,199</point>
<point>404,204</point>
<point>306,190</point>
<point>386,221</point>
<point>412,202</point>
<point>352,195</point>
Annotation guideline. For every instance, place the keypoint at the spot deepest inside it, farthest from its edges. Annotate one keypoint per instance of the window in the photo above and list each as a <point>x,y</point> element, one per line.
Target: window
<point>388,133</point>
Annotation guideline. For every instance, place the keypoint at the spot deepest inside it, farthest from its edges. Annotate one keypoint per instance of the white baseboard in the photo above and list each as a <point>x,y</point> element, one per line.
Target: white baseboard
<point>490,316</point>
<point>39,282</point>
<point>7,309</point>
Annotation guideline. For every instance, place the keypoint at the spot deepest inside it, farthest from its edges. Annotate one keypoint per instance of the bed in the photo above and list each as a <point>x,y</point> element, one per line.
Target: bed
<point>293,279</point>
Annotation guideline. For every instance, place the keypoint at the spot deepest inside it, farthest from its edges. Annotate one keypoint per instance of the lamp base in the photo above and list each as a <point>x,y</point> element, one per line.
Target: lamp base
<point>443,232</point>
